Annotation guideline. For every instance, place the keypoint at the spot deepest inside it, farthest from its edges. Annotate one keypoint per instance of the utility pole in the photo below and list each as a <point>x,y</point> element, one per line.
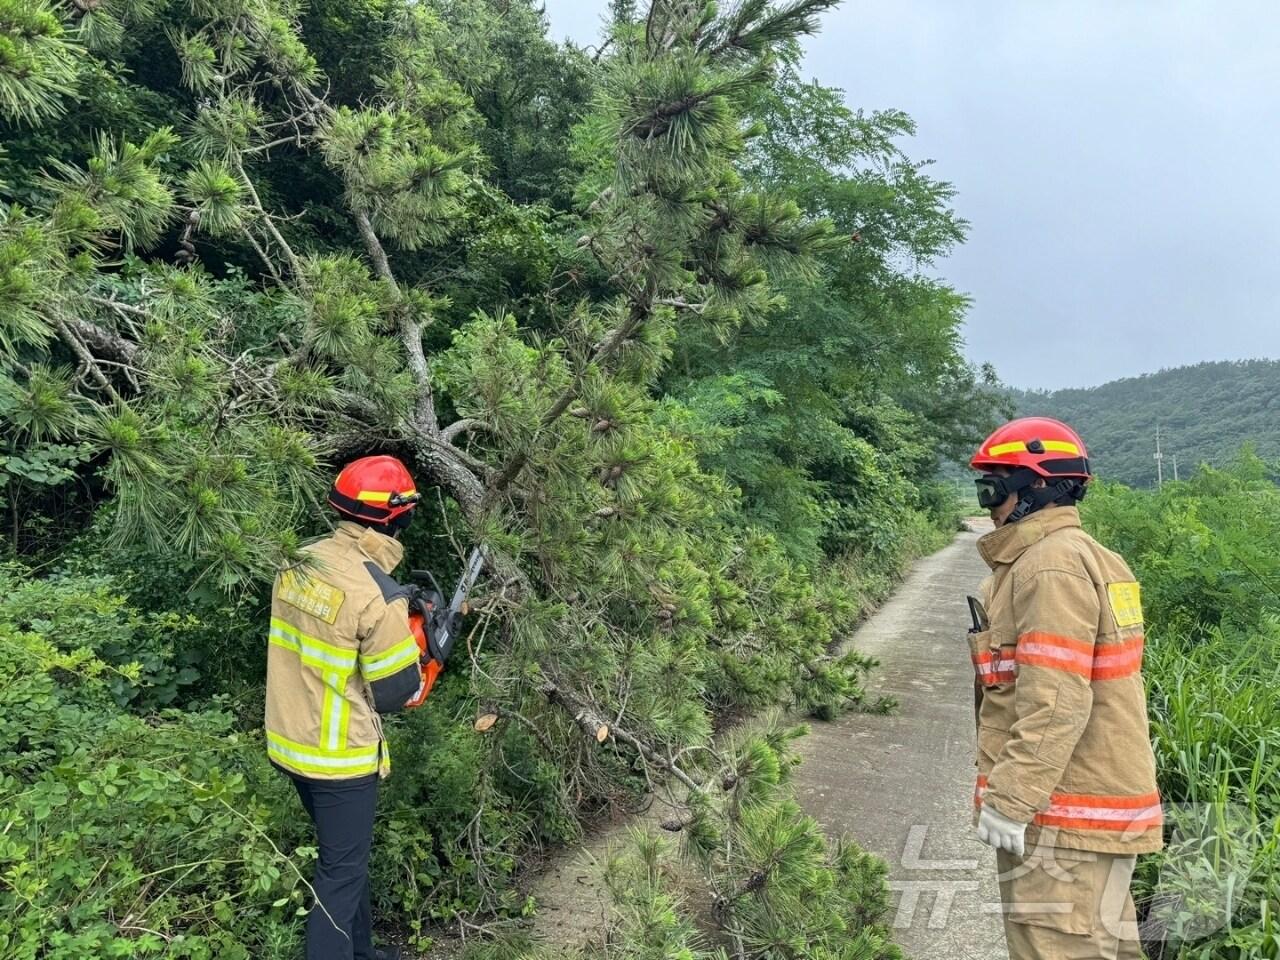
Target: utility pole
<point>1159,459</point>
<point>1175,468</point>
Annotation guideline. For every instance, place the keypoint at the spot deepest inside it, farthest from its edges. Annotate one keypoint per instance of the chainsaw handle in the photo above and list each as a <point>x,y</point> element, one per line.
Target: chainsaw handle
<point>426,577</point>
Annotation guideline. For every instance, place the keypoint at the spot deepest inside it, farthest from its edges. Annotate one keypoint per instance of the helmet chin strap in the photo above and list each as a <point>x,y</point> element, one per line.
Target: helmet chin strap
<point>1034,499</point>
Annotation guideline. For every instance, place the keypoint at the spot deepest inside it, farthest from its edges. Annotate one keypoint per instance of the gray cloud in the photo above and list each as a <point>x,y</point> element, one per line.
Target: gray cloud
<point>1119,161</point>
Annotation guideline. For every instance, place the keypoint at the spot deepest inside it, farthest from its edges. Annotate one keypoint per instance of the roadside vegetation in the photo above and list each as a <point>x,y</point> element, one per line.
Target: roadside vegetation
<point>654,321</point>
<point>1207,551</point>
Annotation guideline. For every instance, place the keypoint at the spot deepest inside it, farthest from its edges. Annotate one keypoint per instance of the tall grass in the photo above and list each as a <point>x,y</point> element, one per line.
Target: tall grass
<point>1208,554</point>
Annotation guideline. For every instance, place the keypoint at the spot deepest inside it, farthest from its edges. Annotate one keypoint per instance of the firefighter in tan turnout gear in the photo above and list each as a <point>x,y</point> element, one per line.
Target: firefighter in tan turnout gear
<point>341,651</point>
<point>1066,788</point>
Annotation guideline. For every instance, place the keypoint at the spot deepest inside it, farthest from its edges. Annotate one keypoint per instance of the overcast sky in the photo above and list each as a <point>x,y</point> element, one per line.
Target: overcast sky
<point>1119,162</point>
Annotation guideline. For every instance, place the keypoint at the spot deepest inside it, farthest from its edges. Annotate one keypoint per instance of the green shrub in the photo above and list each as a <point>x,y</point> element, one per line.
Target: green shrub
<point>128,835</point>
<point>1207,550</point>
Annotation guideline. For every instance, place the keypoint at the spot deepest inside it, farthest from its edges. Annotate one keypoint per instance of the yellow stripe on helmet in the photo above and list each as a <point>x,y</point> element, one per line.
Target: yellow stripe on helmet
<point>372,496</point>
<point>1018,446</point>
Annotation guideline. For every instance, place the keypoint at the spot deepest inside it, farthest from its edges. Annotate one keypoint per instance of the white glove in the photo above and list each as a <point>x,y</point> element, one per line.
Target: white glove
<point>998,831</point>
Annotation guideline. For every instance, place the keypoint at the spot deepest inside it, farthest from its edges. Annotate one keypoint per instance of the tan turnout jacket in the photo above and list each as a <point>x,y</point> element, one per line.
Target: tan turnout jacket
<point>340,652</point>
<point>1063,743</point>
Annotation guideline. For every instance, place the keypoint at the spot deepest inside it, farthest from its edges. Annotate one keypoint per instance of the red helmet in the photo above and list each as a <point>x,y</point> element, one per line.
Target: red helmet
<point>374,489</point>
<point>1047,446</point>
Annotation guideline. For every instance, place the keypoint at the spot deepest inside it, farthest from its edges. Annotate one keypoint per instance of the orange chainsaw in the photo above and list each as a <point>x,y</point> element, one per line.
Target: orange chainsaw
<point>434,625</point>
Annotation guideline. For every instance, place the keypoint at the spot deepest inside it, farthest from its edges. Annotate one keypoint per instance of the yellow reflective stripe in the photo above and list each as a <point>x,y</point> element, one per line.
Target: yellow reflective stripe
<point>335,712</point>
<point>313,651</point>
<point>390,661</point>
<point>374,496</point>
<point>353,762</point>
<point>1017,446</point>
<point>343,723</point>
<point>1000,449</point>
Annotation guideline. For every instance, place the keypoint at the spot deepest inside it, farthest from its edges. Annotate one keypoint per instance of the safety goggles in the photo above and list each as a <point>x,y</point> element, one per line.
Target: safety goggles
<point>993,490</point>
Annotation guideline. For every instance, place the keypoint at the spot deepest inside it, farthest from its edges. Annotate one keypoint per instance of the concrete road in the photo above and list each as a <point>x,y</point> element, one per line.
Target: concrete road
<point>902,784</point>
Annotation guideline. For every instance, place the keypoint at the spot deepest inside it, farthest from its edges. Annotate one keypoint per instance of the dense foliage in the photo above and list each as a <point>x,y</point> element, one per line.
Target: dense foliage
<point>1205,551</point>
<point>1205,412</point>
<point>640,321</point>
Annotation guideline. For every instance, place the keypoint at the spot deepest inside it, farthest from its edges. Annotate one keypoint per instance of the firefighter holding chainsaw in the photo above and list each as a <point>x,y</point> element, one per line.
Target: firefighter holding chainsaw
<point>348,643</point>
<point>1066,787</point>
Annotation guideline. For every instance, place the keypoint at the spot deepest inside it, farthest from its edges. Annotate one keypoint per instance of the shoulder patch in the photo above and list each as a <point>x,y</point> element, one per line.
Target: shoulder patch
<point>1126,603</point>
<point>391,589</point>
<point>311,595</point>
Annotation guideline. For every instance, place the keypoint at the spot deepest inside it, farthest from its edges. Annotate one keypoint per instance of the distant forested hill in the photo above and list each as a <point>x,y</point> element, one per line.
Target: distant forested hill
<point>1206,413</point>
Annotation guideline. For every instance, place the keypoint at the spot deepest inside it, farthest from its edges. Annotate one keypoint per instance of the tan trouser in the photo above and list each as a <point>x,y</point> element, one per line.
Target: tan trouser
<point>1068,905</point>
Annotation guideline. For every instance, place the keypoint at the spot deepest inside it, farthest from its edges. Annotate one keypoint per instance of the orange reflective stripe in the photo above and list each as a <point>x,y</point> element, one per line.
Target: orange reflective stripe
<point>1092,812</point>
<point>1086,811</point>
<point>1137,825</point>
<point>993,669</point>
<point>1093,800</point>
<point>1057,641</point>
<point>1115,660</point>
<point>1055,652</point>
<point>1102,662</point>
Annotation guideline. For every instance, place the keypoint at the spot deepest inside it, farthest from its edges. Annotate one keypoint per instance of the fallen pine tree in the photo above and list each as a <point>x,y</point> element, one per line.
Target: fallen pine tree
<point>276,238</point>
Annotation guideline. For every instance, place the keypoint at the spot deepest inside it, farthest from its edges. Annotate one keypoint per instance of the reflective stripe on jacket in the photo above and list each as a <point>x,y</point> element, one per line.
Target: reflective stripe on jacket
<point>1063,741</point>
<point>339,652</point>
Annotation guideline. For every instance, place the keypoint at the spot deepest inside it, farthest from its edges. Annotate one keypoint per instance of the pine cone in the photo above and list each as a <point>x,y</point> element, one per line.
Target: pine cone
<point>602,425</point>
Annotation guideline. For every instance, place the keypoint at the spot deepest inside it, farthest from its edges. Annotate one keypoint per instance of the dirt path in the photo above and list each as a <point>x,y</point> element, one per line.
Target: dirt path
<point>901,785</point>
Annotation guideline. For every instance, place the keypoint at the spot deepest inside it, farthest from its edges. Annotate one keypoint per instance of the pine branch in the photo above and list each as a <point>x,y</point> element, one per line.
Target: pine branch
<point>752,28</point>
<point>87,362</point>
<point>592,723</point>
<point>641,310</point>
<point>483,724</point>
<point>294,263</point>
<point>658,118</point>
<point>262,255</point>
<point>410,331</point>
<point>100,339</point>
<point>459,427</point>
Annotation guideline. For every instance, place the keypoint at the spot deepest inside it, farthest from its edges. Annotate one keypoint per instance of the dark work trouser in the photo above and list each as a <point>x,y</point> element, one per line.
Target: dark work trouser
<point>339,926</point>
